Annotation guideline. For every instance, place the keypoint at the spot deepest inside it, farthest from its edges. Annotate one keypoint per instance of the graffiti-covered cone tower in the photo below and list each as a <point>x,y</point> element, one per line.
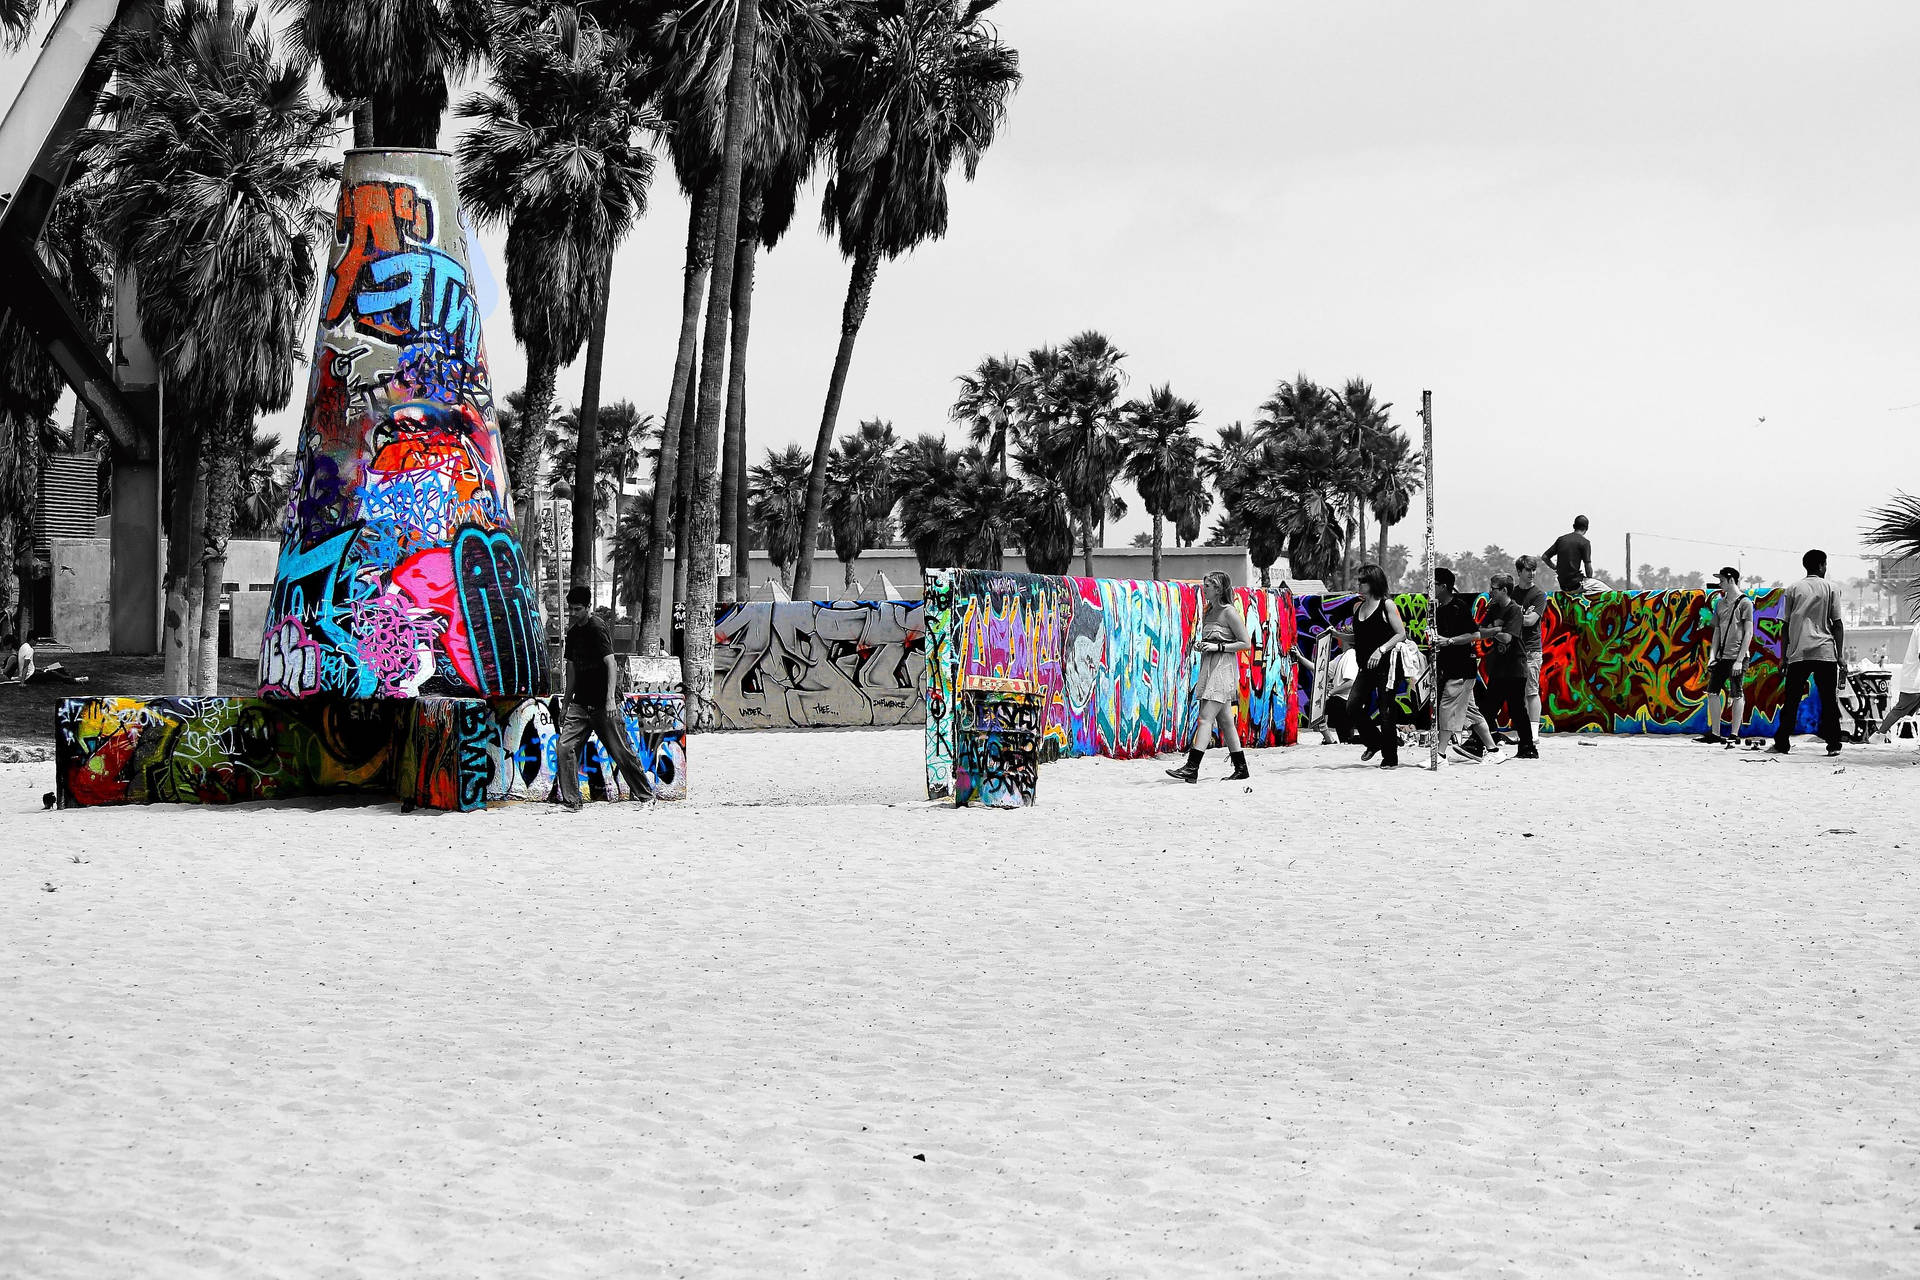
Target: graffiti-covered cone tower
<point>400,572</point>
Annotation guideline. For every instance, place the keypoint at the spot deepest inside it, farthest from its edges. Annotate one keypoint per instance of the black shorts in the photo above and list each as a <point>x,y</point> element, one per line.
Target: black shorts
<point>1720,676</point>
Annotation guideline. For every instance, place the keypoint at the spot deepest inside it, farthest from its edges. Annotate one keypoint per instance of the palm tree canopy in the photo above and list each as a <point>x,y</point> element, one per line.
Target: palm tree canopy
<point>777,501</point>
<point>210,185</point>
<point>398,56</point>
<point>860,487</point>
<point>266,480</point>
<point>990,399</point>
<point>914,87</point>
<point>1397,476</point>
<point>694,46</point>
<point>1160,450</point>
<point>559,154</point>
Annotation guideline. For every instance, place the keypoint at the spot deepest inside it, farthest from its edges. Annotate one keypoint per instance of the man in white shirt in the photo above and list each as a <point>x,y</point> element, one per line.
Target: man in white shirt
<point>1906,688</point>
<point>1812,639</point>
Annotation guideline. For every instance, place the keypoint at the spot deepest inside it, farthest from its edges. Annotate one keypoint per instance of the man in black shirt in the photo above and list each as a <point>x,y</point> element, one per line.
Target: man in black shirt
<point>593,704</point>
<point>1507,665</point>
<point>1571,557</point>
<point>1454,633</point>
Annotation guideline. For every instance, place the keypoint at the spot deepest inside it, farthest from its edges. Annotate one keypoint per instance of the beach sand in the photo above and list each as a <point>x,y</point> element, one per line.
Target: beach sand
<point>1640,1008</point>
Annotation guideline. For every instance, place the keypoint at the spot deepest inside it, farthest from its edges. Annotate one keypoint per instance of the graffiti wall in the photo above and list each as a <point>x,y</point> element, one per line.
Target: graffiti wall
<point>400,573</point>
<point>1112,662</point>
<point>806,664</point>
<point>1620,661</point>
<point>440,753</point>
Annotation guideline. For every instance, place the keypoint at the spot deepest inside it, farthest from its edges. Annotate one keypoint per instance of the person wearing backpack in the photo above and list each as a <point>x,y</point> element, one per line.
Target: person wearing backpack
<point>1727,661</point>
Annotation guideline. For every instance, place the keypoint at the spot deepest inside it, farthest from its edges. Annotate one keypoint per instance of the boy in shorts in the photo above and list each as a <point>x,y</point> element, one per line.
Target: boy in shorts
<point>1727,662</point>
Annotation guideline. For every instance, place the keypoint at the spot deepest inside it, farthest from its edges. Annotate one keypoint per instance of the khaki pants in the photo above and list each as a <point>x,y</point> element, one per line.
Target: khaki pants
<point>1458,709</point>
<point>1533,687</point>
<point>610,727</point>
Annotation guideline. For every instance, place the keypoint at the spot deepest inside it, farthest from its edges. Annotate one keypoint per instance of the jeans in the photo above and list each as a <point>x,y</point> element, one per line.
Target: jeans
<point>1510,695</point>
<point>608,726</point>
<point>1371,707</point>
<point>1825,677</point>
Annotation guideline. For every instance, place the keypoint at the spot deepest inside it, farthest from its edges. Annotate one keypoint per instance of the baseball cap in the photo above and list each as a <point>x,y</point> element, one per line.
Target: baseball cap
<point>1728,571</point>
<point>1444,576</point>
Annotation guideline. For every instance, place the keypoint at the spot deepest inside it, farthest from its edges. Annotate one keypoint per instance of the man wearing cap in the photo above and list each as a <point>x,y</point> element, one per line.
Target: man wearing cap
<point>1727,661</point>
<point>1812,640</point>
<point>1459,672</point>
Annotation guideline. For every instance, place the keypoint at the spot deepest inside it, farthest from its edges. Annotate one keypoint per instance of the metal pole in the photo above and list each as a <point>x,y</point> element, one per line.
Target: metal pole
<point>1433,590</point>
<point>1629,560</point>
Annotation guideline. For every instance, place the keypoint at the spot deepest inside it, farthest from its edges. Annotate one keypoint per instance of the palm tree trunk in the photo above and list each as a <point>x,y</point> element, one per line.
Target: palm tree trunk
<point>696,659</point>
<point>684,482</point>
<point>1086,542</point>
<point>182,552</point>
<point>196,570</point>
<point>586,444</point>
<point>363,125</point>
<point>866,266</point>
<point>693,290</point>
<point>733,474</point>
<point>541,375</point>
<point>1384,526</point>
<point>1158,524</point>
<point>223,488</point>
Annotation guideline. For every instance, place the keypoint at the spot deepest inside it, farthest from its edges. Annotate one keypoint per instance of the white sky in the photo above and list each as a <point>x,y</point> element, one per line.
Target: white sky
<point>1609,238</point>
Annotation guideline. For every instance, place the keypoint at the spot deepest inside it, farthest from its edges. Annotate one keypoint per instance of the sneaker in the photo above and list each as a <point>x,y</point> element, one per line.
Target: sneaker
<point>1369,754</point>
<point>1880,739</point>
<point>1777,750</point>
<point>1528,753</point>
<point>1711,739</point>
<point>1502,740</point>
<point>1832,751</point>
<point>1471,752</point>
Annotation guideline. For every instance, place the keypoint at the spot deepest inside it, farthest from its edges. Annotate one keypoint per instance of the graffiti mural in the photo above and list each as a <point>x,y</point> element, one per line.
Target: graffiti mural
<point>110,751</point>
<point>1620,661</point>
<point>1112,663</point>
<point>998,765</point>
<point>807,664</point>
<point>400,574</point>
<point>942,693</point>
<point>438,753</point>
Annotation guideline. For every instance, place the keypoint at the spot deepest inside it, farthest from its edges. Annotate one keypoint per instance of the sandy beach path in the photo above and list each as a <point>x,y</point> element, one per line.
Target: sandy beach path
<point>1639,1009</point>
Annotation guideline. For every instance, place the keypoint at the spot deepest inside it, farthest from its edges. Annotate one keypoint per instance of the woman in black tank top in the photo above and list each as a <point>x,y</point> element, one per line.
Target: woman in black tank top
<point>1377,628</point>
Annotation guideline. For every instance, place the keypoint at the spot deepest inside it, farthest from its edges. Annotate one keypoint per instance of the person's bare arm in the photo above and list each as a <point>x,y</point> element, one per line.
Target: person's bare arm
<point>1242,638</point>
<point>613,680</point>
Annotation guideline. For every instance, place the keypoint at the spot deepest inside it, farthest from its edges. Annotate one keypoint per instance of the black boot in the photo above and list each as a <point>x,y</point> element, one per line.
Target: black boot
<point>1239,759</point>
<point>1190,771</point>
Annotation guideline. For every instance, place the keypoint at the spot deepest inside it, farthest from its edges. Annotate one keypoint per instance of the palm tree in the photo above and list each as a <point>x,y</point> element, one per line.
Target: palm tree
<point>392,59</point>
<point>630,537</point>
<point>266,476</point>
<point>695,47</point>
<point>1042,524</point>
<point>211,185</point>
<point>990,401</point>
<point>915,87</point>
<point>1896,527</point>
<point>1308,471</point>
<point>776,496</point>
<point>1071,411</point>
<point>926,468</point>
<point>1397,476</point>
<point>860,490</point>
<point>1161,454</point>
<point>1367,433</point>
<point>703,526</point>
<point>559,155</point>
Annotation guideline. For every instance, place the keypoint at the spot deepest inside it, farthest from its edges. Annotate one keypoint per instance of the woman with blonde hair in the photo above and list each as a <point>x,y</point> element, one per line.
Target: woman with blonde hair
<point>1223,638</point>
